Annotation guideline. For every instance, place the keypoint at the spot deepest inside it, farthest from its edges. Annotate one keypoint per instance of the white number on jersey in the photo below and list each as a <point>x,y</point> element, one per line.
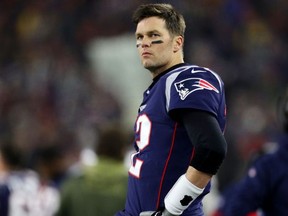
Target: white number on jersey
<point>143,129</point>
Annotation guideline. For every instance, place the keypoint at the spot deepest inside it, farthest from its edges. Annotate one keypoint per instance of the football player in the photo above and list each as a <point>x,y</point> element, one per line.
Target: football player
<point>179,139</point>
<point>264,187</point>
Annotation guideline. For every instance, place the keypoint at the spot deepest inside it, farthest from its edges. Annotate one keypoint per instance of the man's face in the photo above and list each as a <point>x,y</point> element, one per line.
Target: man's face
<point>154,44</point>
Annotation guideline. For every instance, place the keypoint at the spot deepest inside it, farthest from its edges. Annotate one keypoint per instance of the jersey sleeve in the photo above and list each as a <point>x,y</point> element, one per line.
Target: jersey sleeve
<point>196,88</point>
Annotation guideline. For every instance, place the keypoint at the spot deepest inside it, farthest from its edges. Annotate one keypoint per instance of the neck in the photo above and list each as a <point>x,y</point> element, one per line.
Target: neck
<point>158,70</point>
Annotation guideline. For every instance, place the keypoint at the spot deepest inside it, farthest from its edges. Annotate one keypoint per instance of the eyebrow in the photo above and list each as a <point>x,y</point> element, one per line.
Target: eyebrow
<point>149,33</point>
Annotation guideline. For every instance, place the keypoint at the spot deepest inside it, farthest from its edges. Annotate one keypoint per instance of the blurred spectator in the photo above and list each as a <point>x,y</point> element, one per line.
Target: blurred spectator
<point>101,190</point>
<point>21,191</point>
<point>264,189</point>
<point>51,159</point>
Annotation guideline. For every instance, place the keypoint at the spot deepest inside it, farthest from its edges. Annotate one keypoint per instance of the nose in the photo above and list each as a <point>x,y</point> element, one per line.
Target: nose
<point>146,43</point>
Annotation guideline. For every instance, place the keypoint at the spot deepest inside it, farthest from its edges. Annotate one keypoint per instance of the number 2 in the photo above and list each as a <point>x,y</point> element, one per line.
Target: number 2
<point>143,129</point>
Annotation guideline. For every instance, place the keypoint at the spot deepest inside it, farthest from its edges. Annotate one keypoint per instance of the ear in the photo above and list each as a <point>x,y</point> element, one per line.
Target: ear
<point>178,43</point>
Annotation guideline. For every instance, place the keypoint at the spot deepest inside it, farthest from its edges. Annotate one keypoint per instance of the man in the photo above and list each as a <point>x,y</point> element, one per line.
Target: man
<point>101,189</point>
<point>179,129</point>
<point>265,186</point>
<point>21,191</point>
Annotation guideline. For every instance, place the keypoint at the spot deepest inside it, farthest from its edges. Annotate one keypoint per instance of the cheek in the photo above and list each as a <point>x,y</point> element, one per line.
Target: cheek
<point>165,52</point>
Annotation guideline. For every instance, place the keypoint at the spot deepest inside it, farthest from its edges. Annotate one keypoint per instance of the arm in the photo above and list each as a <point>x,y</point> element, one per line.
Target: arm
<point>209,145</point>
<point>198,178</point>
<point>209,152</point>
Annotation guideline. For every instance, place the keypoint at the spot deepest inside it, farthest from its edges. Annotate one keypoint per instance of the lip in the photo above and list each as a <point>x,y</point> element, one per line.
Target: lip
<point>145,53</point>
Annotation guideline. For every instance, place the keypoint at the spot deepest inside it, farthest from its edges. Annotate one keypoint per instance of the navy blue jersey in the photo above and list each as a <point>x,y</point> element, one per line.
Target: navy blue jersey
<point>265,186</point>
<point>163,149</point>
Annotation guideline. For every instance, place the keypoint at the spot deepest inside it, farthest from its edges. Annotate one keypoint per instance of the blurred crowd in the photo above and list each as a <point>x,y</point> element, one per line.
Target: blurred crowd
<point>50,95</point>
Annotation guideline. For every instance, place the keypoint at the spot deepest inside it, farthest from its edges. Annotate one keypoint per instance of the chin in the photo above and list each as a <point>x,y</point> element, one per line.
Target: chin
<point>146,66</point>
<point>149,66</point>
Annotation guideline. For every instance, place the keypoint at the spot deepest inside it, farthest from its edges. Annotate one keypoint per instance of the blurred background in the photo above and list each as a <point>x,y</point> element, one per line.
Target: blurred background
<point>70,67</point>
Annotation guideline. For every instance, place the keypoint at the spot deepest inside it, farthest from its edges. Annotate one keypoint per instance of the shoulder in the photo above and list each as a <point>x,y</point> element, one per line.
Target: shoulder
<point>270,162</point>
<point>194,73</point>
<point>192,78</point>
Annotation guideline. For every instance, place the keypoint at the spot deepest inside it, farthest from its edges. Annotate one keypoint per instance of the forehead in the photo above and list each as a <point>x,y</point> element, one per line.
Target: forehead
<point>151,24</point>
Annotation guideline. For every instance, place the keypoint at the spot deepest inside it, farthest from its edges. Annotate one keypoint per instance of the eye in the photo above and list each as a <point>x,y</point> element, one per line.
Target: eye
<point>139,37</point>
<point>154,35</point>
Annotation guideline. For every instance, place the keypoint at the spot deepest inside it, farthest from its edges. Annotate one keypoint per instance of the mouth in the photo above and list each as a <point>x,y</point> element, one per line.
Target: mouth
<point>146,54</point>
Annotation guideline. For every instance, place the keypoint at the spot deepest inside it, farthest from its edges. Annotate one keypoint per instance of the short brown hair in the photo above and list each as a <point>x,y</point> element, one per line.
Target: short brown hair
<point>175,22</point>
<point>112,143</point>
